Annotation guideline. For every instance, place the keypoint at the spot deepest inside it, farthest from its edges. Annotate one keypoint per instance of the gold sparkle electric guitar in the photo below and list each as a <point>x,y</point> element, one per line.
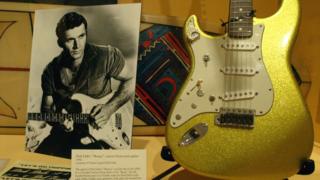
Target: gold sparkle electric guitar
<point>239,114</point>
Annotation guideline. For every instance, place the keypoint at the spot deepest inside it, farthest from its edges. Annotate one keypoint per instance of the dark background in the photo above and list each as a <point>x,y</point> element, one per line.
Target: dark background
<point>69,2</point>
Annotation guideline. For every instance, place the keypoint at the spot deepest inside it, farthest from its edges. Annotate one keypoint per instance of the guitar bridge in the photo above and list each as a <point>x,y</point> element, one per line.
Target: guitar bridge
<point>234,117</point>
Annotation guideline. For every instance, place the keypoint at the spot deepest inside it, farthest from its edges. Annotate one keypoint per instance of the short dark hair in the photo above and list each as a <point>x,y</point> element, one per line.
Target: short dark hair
<point>69,21</point>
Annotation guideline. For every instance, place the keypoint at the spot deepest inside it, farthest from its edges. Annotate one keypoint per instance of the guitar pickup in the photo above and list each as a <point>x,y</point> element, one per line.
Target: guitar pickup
<point>118,121</point>
<point>229,117</point>
<point>239,45</point>
<point>243,71</point>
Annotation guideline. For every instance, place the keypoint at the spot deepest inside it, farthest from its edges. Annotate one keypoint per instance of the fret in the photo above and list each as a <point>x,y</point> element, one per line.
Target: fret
<point>241,23</point>
<point>241,11</point>
<point>235,6</point>
<point>236,3</point>
<point>240,35</point>
<point>240,0</point>
<point>240,31</point>
<point>241,7</point>
<point>245,1</point>
<point>242,27</point>
<point>241,3</point>
<point>239,14</point>
<point>240,19</point>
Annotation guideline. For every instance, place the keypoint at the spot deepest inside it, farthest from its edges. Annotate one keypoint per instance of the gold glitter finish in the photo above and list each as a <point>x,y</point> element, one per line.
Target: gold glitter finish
<point>279,141</point>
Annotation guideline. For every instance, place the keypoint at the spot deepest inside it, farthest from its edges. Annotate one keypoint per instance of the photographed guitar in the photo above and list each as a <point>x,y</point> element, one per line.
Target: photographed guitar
<point>116,133</point>
<point>240,114</point>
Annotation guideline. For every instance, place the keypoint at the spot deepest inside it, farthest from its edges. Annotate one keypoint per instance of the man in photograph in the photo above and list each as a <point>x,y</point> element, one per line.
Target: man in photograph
<point>86,69</point>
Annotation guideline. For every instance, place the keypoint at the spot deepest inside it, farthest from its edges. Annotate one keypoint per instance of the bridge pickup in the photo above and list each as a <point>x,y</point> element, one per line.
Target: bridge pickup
<point>229,117</point>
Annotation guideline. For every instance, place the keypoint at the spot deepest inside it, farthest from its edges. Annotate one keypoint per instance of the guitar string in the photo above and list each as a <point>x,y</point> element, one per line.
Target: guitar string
<point>226,65</point>
<point>245,54</point>
<point>250,59</point>
<point>248,67</point>
<point>228,62</point>
<point>247,76</point>
<point>244,65</point>
<point>245,58</point>
<point>236,60</point>
<point>223,72</point>
<point>231,103</point>
<point>244,89</point>
<point>239,77</point>
<point>232,59</point>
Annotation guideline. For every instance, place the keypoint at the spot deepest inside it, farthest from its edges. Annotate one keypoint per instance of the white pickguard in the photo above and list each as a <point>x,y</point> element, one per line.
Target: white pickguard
<point>209,88</point>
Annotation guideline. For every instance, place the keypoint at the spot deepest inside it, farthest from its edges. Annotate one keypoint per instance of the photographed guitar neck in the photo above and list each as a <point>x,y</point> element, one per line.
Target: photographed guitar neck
<point>79,118</point>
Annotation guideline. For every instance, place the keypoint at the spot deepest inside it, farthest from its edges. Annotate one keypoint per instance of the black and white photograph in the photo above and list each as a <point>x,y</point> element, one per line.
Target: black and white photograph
<point>82,79</point>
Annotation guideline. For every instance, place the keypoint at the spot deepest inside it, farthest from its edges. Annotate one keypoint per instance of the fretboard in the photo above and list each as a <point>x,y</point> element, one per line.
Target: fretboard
<point>78,118</point>
<point>240,19</point>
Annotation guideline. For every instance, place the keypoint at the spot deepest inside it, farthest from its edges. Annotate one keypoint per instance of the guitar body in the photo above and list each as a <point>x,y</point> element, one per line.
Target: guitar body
<point>201,133</point>
<point>116,133</point>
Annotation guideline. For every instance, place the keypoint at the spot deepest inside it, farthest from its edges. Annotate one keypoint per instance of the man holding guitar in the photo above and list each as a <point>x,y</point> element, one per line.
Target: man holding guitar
<point>86,69</point>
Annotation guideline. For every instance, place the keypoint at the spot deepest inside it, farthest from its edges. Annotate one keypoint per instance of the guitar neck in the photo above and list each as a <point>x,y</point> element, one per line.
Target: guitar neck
<point>240,19</point>
<point>78,118</point>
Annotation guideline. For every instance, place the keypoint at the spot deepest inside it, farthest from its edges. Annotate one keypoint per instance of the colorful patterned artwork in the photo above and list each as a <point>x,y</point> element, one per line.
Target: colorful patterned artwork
<point>162,67</point>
